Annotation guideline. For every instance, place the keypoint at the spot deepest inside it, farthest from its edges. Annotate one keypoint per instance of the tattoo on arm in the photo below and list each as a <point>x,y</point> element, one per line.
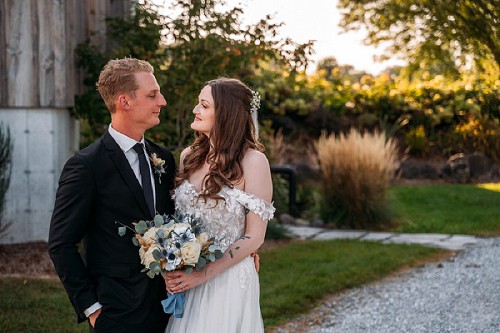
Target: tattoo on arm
<point>230,251</point>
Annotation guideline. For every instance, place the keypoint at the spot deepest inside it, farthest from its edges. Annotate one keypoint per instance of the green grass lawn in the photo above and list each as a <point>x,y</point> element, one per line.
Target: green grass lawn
<point>448,209</point>
<point>294,278</point>
<point>36,305</point>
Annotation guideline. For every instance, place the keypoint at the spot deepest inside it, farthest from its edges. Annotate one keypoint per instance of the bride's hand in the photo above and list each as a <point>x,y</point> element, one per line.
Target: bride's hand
<point>178,281</point>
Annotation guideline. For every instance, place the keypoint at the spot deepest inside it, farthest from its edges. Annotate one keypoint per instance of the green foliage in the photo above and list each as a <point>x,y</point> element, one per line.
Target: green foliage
<point>281,188</point>
<point>204,41</point>
<point>479,133</point>
<point>448,209</point>
<point>201,43</point>
<point>276,231</point>
<point>5,172</point>
<point>436,34</point>
<point>417,142</point>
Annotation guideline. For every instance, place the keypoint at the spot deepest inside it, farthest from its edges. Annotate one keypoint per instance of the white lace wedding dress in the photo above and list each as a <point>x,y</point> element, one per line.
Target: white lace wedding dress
<point>228,303</point>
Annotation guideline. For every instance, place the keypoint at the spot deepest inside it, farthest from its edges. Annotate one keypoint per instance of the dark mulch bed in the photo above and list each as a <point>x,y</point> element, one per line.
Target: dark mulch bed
<point>32,259</point>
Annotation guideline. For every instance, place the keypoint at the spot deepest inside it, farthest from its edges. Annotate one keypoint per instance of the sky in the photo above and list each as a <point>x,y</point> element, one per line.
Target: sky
<point>314,20</point>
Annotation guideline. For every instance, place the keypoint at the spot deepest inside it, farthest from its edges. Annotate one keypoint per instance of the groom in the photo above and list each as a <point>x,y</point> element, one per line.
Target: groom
<point>108,182</point>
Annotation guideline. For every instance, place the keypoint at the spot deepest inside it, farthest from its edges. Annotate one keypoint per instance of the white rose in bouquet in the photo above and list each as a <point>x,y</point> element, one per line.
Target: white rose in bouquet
<point>190,253</point>
<point>202,238</point>
<point>147,255</point>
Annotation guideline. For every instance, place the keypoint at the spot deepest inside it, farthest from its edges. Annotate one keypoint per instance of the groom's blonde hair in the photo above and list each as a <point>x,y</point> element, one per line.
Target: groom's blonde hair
<point>118,77</point>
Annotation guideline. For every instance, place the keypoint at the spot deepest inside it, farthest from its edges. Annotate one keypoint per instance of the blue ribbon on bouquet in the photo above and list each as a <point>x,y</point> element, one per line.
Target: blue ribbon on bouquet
<point>174,304</point>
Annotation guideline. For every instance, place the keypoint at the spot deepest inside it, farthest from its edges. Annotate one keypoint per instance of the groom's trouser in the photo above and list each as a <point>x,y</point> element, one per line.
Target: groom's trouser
<point>105,325</point>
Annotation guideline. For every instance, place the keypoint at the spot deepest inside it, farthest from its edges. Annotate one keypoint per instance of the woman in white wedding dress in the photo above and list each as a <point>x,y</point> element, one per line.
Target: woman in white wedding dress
<point>225,181</point>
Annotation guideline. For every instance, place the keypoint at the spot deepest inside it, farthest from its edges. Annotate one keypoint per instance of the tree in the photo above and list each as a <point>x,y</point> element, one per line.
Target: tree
<point>5,169</point>
<point>201,43</point>
<point>338,74</point>
<point>442,34</point>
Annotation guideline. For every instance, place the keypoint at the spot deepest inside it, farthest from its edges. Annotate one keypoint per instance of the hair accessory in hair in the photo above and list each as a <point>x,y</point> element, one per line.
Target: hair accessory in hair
<point>255,103</point>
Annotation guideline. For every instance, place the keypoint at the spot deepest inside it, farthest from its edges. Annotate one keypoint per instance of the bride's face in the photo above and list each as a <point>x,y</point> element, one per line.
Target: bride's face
<point>204,112</point>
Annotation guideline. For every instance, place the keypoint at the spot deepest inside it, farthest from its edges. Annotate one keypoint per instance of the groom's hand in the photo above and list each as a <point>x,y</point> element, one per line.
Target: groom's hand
<point>256,261</point>
<point>93,317</point>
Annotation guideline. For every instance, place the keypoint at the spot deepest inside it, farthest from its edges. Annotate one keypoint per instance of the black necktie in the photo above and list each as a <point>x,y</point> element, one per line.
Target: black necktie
<point>145,177</point>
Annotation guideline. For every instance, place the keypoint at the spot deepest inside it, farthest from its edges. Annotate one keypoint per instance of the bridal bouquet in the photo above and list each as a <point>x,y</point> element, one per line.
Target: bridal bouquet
<point>169,243</point>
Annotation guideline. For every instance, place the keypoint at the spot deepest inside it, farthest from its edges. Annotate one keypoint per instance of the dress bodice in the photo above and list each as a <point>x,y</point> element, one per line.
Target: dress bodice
<point>224,219</point>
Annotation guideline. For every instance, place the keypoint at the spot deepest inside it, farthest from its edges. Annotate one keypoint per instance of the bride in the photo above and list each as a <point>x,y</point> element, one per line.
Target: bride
<point>225,181</point>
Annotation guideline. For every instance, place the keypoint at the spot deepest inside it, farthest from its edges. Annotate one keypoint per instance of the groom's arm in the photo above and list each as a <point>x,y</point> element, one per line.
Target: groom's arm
<point>73,206</point>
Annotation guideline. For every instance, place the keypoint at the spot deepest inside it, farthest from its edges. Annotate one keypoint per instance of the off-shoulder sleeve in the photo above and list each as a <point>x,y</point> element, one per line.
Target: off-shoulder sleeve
<point>265,210</point>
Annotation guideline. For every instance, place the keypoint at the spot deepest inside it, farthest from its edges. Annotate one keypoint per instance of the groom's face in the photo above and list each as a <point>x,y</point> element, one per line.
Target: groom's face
<point>145,107</point>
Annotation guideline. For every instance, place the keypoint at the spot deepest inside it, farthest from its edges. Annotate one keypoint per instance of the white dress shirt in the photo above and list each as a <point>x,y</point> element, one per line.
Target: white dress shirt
<point>126,144</point>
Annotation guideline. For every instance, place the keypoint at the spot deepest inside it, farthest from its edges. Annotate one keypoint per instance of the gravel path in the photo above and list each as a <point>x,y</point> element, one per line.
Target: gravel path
<point>459,295</point>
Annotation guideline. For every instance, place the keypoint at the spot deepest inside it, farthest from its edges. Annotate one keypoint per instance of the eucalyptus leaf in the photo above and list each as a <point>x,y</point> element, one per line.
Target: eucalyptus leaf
<point>212,248</point>
<point>154,266</point>
<point>141,227</point>
<point>218,254</point>
<point>189,270</point>
<point>201,263</point>
<point>151,274</point>
<point>158,221</point>
<point>157,255</point>
<point>211,257</point>
<point>159,233</point>
<point>135,241</point>
<point>122,231</point>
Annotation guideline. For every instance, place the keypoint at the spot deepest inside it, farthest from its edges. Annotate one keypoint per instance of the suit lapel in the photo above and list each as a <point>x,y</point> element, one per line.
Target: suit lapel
<point>158,188</point>
<point>123,167</point>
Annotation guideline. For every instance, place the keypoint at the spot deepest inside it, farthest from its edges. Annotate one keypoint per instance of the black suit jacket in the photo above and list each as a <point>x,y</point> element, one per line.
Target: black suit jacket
<point>98,187</point>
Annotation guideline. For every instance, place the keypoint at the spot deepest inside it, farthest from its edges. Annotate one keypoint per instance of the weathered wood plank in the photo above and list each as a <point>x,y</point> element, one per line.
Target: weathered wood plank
<point>3,68</point>
<point>37,47</point>
<point>45,53</point>
<point>97,11</point>
<point>21,76</point>
<point>59,45</point>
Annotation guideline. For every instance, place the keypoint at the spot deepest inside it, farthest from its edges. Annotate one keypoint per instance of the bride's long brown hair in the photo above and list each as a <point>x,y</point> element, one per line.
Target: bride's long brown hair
<point>232,134</point>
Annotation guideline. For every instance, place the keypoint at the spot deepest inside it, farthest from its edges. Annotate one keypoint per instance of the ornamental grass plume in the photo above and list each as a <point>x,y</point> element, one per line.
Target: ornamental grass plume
<point>356,169</point>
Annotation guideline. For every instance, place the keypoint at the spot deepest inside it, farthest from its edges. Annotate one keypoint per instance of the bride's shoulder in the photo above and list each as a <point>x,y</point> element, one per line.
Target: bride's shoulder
<point>254,161</point>
<point>185,152</point>
<point>254,157</point>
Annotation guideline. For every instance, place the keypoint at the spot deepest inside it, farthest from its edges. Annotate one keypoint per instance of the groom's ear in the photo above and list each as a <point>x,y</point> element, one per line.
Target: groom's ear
<point>123,102</point>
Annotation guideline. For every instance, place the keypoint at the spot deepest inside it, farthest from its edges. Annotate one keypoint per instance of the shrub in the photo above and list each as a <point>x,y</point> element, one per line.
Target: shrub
<point>479,134</point>
<point>356,169</point>
<point>277,231</point>
<point>5,168</point>
<point>417,142</point>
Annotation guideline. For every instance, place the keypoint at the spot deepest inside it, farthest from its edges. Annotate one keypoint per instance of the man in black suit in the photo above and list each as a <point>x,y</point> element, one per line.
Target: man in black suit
<point>101,184</point>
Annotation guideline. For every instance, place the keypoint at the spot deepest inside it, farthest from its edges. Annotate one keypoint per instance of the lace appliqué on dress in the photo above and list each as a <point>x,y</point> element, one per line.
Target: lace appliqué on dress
<point>265,210</point>
<point>244,276</point>
<point>225,220</point>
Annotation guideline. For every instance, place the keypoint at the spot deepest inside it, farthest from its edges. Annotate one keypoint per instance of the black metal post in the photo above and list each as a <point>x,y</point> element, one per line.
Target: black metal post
<point>292,181</point>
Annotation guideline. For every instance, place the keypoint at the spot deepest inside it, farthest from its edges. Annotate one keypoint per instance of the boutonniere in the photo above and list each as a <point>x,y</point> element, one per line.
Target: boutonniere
<point>158,165</point>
